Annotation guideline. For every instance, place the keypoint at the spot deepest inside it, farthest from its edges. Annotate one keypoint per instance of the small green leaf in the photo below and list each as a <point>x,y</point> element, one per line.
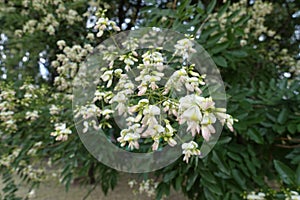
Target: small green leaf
<point>255,135</point>
<point>286,174</point>
<point>237,176</point>
<point>220,61</point>
<point>211,6</point>
<point>191,181</point>
<point>238,53</point>
<point>292,128</point>
<point>212,40</point>
<point>220,163</point>
<point>283,116</point>
<point>169,176</point>
<point>219,47</point>
<point>298,175</point>
<point>223,9</point>
<point>178,182</point>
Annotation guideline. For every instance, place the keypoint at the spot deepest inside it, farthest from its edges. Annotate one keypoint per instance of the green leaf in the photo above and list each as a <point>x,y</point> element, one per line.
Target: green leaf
<point>298,175</point>
<point>242,20</point>
<point>208,176</point>
<point>292,128</point>
<point>169,176</point>
<point>220,163</point>
<point>220,61</point>
<point>238,53</point>
<point>214,188</point>
<point>223,9</point>
<point>206,32</point>
<point>237,176</point>
<point>191,181</point>
<point>163,189</point>
<point>211,6</point>
<point>255,135</point>
<point>235,157</point>
<point>283,116</point>
<point>178,182</point>
<point>212,40</point>
<point>224,140</point>
<point>286,174</point>
<point>219,47</point>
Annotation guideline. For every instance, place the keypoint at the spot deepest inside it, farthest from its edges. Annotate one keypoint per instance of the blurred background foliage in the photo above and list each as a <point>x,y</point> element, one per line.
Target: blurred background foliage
<point>255,45</point>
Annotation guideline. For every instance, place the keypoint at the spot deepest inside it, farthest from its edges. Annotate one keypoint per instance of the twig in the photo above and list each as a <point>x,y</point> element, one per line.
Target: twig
<point>288,147</point>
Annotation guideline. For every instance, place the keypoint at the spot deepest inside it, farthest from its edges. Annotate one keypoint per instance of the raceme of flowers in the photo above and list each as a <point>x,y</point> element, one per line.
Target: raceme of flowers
<point>147,187</point>
<point>254,26</point>
<point>152,113</point>
<point>147,103</point>
<point>61,132</point>
<point>48,21</point>
<point>289,195</point>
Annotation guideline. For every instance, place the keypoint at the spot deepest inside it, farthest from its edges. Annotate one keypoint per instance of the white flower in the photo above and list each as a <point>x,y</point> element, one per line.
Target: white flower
<point>192,84</point>
<point>170,107</point>
<point>132,183</point>
<point>243,42</point>
<point>85,127</point>
<point>32,116</point>
<point>129,60</point>
<point>189,101</point>
<point>190,149</point>
<point>88,111</point>
<point>190,112</point>
<point>193,117</point>
<point>130,135</point>
<point>149,115</point>
<point>206,103</point>
<point>87,124</point>
<point>61,132</point>
<point>54,110</point>
<point>108,77</point>
<point>294,196</point>
<point>253,196</point>
<point>142,89</point>
<point>61,44</point>
<point>106,113</point>
<point>121,99</point>
<point>50,30</point>
<point>153,131</point>
<point>184,47</point>
<point>206,125</point>
<point>31,194</point>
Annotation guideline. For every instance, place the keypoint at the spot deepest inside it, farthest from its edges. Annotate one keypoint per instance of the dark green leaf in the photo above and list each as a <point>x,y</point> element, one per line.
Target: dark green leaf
<point>211,6</point>
<point>283,116</point>
<point>286,174</point>
<point>169,176</point>
<point>220,61</point>
<point>255,135</point>
<point>191,180</point>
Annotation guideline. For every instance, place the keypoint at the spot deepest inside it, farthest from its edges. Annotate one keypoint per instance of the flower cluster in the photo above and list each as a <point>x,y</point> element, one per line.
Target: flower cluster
<point>68,62</point>
<point>190,149</point>
<point>61,132</point>
<point>32,116</point>
<point>32,173</point>
<point>149,102</point>
<point>7,109</point>
<point>103,23</point>
<point>292,195</point>
<point>147,186</point>
<point>254,26</point>
<point>48,22</point>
